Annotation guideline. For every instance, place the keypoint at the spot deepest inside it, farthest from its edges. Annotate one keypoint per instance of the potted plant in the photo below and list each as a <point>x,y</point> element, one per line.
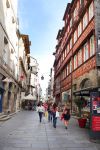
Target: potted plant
<point>81,103</point>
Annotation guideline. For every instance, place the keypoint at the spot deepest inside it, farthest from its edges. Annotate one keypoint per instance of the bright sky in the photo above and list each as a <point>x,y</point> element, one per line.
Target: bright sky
<point>41,20</point>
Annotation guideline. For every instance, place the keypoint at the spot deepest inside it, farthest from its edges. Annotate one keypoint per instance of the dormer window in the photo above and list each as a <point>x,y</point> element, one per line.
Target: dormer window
<point>5,40</point>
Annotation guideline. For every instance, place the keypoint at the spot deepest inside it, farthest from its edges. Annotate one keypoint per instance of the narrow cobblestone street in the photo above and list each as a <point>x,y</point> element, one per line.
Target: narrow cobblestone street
<point>24,132</point>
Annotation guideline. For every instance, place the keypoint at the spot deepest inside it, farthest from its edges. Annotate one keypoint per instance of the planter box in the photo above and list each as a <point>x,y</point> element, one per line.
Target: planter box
<point>82,122</point>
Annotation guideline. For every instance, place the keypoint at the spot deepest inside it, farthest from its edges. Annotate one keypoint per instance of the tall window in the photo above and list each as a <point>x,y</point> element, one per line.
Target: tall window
<point>67,70</point>
<point>71,23</point>
<point>79,29</point>
<point>80,57</point>
<point>75,36</point>
<point>63,55</point>
<point>67,48</point>
<point>92,47</point>
<point>75,61</point>
<point>85,21</point>
<point>70,66</point>
<point>65,52</point>
<point>5,55</point>
<point>91,11</point>
<point>70,43</point>
<point>86,52</point>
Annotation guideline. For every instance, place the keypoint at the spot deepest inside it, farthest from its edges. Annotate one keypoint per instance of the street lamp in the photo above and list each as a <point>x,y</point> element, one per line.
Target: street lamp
<point>42,77</point>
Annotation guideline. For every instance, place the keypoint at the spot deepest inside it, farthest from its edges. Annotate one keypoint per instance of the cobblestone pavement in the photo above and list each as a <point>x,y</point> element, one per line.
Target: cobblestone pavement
<point>24,132</point>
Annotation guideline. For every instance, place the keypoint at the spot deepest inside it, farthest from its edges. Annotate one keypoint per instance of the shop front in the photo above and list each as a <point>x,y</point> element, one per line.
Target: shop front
<point>92,109</point>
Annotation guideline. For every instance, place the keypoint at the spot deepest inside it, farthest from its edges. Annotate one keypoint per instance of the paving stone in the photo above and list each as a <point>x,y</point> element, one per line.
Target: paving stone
<point>24,132</point>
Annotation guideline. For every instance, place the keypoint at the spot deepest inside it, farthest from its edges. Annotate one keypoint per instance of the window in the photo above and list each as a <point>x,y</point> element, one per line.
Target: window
<point>86,53</point>
<point>63,56</point>
<point>65,73</point>
<point>75,36</point>
<point>75,61</point>
<point>80,57</point>
<point>79,29</point>
<point>71,23</point>
<point>4,56</point>
<point>75,12</point>
<point>7,4</point>
<point>67,48</point>
<point>70,43</point>
<point>65,52</point>
<point>92,47</point>
<point>91,11</point>
<point>67,70</point>
<point>85,21</point>
<point>70,67</point>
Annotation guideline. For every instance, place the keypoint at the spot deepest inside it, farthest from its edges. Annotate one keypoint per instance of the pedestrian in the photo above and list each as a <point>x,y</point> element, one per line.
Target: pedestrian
<point>49,112</point>
<point>66,117</point>
<point>54,109</point>
<point>40,110</point>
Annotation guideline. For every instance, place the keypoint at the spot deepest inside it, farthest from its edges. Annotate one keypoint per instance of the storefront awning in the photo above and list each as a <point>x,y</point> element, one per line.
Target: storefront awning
<point>86,91</point>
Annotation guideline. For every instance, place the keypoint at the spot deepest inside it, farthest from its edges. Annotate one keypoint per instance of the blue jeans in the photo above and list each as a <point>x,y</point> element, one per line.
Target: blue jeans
<point>40,116</point>
<point>54,120</point>
<point>49,116</point>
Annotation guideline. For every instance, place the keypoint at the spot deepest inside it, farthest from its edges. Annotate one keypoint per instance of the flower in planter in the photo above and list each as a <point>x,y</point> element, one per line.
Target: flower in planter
<point>81,103</point>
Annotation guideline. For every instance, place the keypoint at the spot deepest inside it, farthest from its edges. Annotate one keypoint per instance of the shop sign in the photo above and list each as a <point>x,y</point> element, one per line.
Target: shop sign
<point>96,123</point>
<point>95,115</point>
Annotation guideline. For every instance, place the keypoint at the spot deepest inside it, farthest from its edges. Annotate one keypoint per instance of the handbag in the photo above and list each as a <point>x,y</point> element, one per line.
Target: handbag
<point>57,114</point>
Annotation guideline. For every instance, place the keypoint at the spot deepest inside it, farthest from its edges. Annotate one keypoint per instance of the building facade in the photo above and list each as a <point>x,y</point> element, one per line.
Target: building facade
<point>77,59</point>
<point>8,55</point>
<point>14,63</point>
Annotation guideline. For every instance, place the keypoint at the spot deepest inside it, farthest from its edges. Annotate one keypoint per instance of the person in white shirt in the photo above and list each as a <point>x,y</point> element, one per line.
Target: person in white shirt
<point>40,110</point>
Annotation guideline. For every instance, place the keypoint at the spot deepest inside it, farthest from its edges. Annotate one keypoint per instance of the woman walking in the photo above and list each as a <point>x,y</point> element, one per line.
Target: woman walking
<point>66,117</point>
<point>40,110</point>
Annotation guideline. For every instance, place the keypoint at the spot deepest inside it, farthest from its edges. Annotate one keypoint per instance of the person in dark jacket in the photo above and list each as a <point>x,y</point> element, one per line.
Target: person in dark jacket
<point>66,117</point>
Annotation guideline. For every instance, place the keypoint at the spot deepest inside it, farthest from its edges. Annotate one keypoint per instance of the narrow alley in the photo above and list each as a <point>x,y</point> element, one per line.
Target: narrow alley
<point>24,132</point>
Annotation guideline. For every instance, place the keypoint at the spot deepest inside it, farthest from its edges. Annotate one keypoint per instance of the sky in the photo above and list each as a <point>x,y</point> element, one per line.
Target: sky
<point>41,20</point>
